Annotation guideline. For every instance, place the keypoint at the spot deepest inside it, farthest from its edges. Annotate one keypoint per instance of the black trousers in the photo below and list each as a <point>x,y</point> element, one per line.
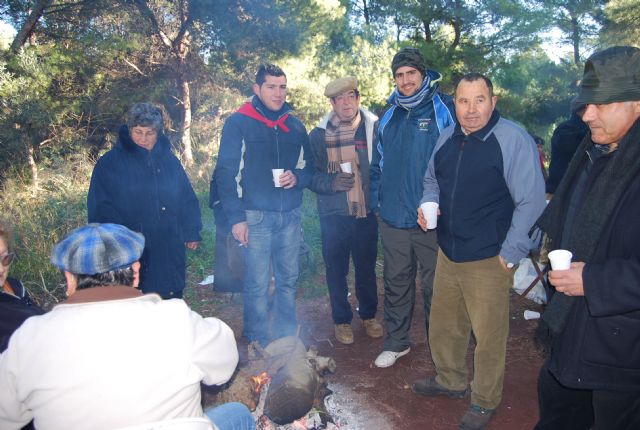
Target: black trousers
<point>565,408</point>
<point>403,249</point>
<point>344,237</point>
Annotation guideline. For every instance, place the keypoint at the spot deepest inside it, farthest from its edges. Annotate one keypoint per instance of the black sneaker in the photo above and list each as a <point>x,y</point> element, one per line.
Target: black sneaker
<point>476,418</point>
<point>430,388</point>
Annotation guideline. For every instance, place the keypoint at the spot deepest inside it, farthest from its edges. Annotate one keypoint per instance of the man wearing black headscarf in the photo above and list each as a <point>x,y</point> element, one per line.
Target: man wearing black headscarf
<point>591,379</point>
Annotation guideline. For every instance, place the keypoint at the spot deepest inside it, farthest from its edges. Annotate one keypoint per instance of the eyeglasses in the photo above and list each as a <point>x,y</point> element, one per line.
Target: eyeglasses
<point>7,258</point>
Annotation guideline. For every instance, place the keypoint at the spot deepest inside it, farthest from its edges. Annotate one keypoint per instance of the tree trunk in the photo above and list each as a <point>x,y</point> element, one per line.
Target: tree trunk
<point>365,12</point>
<point>179,47</point>
<point>457,34</point>
<point>183,84</point>
<point>575,39</point>
<point>27,28</point>
<point>34,169</point>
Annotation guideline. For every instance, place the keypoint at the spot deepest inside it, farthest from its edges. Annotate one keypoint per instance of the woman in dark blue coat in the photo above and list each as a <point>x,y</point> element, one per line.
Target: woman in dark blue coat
<point>142,185</point>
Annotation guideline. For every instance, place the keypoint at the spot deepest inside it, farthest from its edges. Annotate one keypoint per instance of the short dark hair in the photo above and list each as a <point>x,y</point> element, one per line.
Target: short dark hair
<point>474,76</point>
<point>123,276</point>
<point>268,69</point>
<point>145,115</point>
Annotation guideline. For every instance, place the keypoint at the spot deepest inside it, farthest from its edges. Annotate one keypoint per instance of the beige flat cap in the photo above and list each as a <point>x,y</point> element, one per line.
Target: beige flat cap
<point>340,85</point>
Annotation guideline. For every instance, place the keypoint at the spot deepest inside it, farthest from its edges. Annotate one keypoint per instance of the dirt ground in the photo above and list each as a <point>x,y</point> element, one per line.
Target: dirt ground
<point>366,397</point>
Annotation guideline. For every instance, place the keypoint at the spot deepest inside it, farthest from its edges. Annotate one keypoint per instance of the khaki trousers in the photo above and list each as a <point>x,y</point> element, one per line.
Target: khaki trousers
<point>471,297</point>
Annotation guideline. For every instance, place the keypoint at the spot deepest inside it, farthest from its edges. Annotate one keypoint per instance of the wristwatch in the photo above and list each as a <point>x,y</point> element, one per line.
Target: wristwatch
<point>510,265</point>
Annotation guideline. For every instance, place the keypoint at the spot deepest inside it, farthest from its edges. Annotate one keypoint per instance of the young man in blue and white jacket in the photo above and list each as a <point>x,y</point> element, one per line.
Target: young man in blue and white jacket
<point>406,136</point>
<point>485,174</point>
<point>265,217</point>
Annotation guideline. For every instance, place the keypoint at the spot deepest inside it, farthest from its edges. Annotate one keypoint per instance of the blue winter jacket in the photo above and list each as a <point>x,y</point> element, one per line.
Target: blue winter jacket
<point>148,192</point>
<point>490,189</point>
<point>249,149</point>
<point>405,142</point>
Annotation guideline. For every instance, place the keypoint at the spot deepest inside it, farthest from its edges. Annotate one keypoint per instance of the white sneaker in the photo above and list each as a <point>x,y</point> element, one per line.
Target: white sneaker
<point>388,358</point>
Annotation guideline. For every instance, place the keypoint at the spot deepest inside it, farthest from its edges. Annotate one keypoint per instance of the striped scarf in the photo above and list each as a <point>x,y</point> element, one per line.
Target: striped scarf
<point>340,140</point>
<point>409,102</point>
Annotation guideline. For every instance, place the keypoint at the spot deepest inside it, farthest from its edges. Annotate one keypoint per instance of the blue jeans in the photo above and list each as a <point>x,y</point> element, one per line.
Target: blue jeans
<point>231,416</point>
<point>274,237</point>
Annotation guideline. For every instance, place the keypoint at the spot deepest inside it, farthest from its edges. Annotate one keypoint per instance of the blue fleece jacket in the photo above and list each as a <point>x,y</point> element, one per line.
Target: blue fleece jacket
<point>490,189</point>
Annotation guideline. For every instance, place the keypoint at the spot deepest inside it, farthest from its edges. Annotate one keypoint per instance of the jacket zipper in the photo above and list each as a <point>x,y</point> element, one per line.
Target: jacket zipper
<point>453,193</point>
<point>275,130</point>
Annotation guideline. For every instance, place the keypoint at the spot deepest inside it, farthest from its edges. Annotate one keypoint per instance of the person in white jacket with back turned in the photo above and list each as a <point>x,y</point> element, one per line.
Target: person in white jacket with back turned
<point>109,356</point>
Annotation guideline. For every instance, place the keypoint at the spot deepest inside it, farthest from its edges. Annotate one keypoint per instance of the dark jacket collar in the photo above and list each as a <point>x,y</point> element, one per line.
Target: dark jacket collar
<point>484,132</point>
<point>267,113</point>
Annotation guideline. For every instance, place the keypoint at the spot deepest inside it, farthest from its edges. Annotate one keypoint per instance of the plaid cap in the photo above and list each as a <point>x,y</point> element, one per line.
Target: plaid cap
<point>410,57</point>
<point>610,76</point>
<point>97,248</point>
<point>340,85</point>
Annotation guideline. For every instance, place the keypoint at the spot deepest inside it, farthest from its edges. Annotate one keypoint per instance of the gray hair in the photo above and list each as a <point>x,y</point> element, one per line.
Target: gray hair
<point>145,115</point>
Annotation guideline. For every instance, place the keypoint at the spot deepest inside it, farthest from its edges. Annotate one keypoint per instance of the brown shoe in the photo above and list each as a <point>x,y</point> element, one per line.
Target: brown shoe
<point>372,327</point>
<point>476,418</point>
<point>429,387</point>
<point>344,334</point>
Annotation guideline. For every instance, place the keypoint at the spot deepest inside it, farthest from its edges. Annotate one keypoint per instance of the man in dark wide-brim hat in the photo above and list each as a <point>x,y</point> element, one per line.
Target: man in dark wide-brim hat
<point>591,379</point>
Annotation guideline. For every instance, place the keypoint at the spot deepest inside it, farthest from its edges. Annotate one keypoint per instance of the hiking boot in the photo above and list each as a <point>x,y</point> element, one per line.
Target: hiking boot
<point>476,418</point>
<point>344,334</point>
<point>388,358</point>
<point>372,327</point>
<point>429,387</point>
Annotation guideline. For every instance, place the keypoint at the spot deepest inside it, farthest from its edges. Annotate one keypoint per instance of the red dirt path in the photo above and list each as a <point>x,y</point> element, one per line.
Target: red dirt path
<point>368,398</point>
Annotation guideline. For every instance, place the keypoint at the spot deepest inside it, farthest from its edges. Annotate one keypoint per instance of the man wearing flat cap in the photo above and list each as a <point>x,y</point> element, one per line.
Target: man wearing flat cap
<point>591,379</point>
<point>406,137</point>
<point>342,146</point>
<point>110,356</point>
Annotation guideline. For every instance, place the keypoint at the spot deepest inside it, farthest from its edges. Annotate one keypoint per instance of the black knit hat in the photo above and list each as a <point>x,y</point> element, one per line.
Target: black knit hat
<point>610,76</point>
<point>409,57</point>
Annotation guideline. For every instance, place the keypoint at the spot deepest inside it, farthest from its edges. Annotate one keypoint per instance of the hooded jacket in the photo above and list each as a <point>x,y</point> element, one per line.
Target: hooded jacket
<point>405,142</point>
<point>249,149</point>
<point>148,192</point>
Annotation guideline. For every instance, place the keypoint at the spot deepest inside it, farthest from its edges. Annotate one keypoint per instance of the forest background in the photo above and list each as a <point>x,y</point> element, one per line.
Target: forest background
<point>70,69</point>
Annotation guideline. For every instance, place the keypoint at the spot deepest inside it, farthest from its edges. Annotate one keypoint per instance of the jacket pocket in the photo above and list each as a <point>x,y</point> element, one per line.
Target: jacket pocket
<point>613,341</point>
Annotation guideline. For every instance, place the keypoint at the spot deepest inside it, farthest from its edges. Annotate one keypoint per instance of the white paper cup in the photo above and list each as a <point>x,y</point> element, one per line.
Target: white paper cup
<point>430,212</point>
<point>276,176</point>
<point>346,167</point>
<point>560,259</point>
<point>531,315</point>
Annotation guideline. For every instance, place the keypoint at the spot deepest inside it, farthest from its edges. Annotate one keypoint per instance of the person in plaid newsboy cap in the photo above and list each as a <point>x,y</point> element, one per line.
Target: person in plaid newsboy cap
<point>99,254</point>
<point>128,358</point>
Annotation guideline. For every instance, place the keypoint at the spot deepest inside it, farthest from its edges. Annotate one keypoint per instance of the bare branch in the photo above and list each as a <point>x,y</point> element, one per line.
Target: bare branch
<point>134,67</point>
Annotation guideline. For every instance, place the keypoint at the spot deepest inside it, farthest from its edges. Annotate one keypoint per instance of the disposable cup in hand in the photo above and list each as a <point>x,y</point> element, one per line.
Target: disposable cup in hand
<point>346,167</point>
<point>276,176</point>
<point>430,212</point>
<point>531,315</point>
<point>560,259</point>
